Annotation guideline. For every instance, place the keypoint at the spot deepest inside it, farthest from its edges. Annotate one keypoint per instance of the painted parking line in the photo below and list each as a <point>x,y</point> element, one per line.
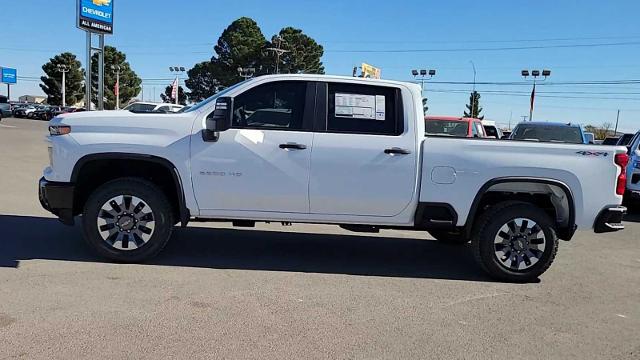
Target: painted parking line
<point>7,126</point>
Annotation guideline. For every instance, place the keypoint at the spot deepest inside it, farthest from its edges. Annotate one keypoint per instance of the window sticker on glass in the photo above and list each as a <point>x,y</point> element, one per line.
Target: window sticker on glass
<point>359,106</point>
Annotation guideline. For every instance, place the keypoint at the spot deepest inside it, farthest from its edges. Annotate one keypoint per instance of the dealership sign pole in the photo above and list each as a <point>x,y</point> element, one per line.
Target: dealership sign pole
<point>95,17</point>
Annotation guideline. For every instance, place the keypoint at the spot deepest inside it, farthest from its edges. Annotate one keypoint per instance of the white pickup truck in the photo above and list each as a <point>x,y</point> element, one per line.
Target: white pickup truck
<point>329,150</point>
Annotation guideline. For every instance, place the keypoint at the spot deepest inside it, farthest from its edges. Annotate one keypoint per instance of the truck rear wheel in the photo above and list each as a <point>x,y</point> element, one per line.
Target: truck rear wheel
<point>449,237</point>
<point>515,241</point>
<point>127,220</point>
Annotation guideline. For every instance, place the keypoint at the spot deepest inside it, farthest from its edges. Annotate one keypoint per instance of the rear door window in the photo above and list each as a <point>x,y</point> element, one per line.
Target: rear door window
<point>364,109</point>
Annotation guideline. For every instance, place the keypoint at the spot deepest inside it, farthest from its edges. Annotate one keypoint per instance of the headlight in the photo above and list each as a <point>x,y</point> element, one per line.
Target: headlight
<point>56,130</point>
<point>636,164</point>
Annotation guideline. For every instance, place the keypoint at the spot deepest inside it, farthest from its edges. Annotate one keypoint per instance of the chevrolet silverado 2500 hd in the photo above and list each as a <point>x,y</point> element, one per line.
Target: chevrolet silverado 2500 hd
<point>331,150</point>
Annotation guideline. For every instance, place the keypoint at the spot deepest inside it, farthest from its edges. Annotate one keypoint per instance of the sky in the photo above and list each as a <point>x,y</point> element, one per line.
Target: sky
<point>583,41</point>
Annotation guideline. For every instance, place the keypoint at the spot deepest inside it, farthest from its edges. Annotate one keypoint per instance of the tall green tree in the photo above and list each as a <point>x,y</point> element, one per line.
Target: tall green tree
<point>300,53</point>
<point>473,107</point>
<point>52,82</point>
<point>167,98</point>
<point>242,45</point>
<point>203,81</point>
<point>129,80</point>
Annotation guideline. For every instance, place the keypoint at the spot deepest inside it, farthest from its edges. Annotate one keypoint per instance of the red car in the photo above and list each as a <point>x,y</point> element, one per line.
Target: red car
<point>454,126</point>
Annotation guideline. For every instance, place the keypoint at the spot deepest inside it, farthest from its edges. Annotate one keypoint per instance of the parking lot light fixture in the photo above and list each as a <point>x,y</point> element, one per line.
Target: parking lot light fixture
<point>177,70</point>
<point>423,73</point>
<point>534,74</point>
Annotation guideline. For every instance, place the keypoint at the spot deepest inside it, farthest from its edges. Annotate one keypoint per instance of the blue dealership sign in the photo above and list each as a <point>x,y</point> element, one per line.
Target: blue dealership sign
<point>9,76</point>
<point>96,16</point>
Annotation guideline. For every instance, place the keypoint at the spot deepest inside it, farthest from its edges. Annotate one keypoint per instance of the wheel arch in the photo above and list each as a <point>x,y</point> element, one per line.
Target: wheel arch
<point>176,189</point>
<point>565,230</point>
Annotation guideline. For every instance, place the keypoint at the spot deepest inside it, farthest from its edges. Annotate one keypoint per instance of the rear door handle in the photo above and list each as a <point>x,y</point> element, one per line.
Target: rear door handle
<point>397,151</point>
<point>293,146</point>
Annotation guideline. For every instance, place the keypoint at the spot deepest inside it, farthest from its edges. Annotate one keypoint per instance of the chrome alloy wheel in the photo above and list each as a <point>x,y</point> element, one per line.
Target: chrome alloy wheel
<point>126,222</point>
<point>519,244</point>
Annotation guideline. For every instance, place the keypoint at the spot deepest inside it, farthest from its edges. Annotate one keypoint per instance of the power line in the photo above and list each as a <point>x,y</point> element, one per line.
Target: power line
<point>505,48</point>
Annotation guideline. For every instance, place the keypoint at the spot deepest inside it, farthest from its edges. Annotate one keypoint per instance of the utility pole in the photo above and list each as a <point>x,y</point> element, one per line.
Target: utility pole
<point>176,70</point>
<point>64,69</point>
<point>279,52</point>
<point>615,132</point>
<point>116,68</point>
<point>535,74</point>
<point>473,96</point>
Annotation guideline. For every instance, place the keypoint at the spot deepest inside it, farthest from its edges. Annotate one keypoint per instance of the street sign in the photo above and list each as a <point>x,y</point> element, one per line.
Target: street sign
<point>370,71</point>
<point>9,76</point>
<point>95,16</point>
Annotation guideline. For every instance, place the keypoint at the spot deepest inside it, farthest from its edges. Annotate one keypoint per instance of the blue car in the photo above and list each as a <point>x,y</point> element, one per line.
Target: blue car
<point>549,132</point>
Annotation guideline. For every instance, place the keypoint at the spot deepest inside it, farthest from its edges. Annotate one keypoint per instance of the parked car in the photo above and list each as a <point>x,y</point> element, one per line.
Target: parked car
<point>453,126</point>
<point>37,111</point>
<point>5,110</point>
<point>43,112</point>
<point>24,112</point>
<point>16,107</point>
<point>145,107</point>
<point>313,156</point>
<point>549,132</point>
<point>633,172</point>
<point>491,129</point>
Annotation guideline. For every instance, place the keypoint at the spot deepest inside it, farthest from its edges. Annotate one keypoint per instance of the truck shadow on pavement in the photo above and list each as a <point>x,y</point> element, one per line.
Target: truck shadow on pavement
<point>26,238</point>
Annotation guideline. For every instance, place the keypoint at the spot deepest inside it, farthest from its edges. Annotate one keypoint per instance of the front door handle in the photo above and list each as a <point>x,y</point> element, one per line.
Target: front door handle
<point>293,146</point>
<point>397,151</point>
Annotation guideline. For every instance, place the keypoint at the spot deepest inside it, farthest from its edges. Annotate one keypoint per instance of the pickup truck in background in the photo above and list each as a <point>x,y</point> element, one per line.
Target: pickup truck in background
<point>549,132</point>
<point>331,150</point>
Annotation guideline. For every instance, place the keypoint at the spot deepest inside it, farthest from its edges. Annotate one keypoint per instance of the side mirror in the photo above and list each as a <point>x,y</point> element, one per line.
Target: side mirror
<point>219,120</point>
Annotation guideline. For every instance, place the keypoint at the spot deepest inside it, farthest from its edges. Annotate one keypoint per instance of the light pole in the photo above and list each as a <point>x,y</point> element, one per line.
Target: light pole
<point>246,73</point>
<point>422,73</point>
<point>177,70</point>
<point>116,68</point>
<point>64,69</point>
<point>535,74</point>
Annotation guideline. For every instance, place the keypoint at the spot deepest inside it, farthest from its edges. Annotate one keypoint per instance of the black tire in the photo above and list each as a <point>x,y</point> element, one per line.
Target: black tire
<point>160,208</point>
<point>488,228</point>
<point>449,237</point>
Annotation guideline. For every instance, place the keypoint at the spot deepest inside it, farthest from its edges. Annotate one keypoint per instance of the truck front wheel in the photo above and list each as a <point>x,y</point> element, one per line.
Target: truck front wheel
<point>515,241</point>
<point>127,220</point>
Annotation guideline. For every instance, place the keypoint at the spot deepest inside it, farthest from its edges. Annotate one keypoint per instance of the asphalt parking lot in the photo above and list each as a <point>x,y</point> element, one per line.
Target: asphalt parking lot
<point>297,292</point>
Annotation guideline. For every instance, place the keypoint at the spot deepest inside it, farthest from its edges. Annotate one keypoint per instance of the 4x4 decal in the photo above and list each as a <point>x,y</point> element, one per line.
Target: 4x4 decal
<point>593,153</point>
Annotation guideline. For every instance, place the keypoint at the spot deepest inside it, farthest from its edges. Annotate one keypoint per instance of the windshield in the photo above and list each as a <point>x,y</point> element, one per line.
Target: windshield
<point>211,98</point>
<point>447,127</point>
<point>565,134</point>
